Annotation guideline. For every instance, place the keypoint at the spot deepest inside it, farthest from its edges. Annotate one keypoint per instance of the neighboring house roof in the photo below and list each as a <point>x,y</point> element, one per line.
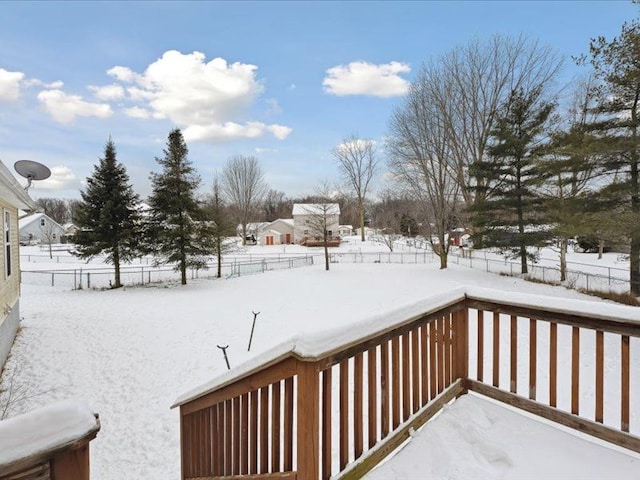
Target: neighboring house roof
<point>316,209</point>
<point>288,221</point>
<point>12,192</point>
<point>26,221</point>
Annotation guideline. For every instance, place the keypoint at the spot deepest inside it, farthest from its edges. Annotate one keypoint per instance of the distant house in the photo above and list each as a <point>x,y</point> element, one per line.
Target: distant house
<point>345,230</point>
<point>70,231</point>
<point>278,232</point>
<point>12,198</point>
<point>308,220</point>
<point>40,228</point>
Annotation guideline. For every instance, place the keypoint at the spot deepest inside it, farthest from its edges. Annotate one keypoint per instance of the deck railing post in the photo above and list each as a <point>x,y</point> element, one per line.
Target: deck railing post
<point>308,445</point>
<point>462,342</point>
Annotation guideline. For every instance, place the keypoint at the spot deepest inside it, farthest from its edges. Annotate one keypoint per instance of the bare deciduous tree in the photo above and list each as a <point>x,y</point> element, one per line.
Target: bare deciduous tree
<point>422,157</point>
<point>356,159</point>
<point>481,75</point>
<point>244,187</point>
<point>320,217</point>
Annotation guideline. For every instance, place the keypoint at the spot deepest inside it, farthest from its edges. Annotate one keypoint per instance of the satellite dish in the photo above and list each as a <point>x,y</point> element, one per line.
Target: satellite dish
<point>32,171</point>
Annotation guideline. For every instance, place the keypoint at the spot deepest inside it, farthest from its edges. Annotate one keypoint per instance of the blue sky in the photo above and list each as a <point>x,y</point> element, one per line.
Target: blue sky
<point>283,81</point>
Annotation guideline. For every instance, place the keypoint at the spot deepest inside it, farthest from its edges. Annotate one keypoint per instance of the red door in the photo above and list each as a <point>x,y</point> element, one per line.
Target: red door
<point>287,238</point>
<point>269,240</point>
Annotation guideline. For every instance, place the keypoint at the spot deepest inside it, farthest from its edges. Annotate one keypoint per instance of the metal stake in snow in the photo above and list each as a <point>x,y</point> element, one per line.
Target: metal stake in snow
<point>224,352</point>
<point>255,315</point>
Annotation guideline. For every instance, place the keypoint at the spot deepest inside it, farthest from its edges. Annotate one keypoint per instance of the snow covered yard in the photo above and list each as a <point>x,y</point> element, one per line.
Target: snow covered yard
<point>130,352</point>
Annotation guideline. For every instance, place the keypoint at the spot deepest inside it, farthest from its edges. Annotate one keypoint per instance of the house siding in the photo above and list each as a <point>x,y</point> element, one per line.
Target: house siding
<point>9,287</point>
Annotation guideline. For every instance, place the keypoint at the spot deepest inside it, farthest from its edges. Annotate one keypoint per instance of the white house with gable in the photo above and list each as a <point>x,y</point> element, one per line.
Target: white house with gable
<point>278,232</point>
<point>308,218</point>
<point>40,228</point>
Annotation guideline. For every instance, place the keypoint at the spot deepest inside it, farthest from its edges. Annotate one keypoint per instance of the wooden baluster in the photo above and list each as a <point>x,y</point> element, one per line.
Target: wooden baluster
<point>187,447</point>
<point>533,357</point>
<point>308,411</point>
<point>575,371</point>
<point>424,357</point>
<point>326,423</point>
<point>514,355</point>
<point>395,381</point>
<point>275,427</point>
<point>219,444</point>
<point>406,378</point>
<point>553,364</point>
<point>217,441</point>
<point>253,432</point>
<point>496,349</point>
<point>357,406</point>
<point>446,339</point>
<point>244,441</point>
<point>441,344</point>
<point>264,430</point>
<point>624,383</point>
<point>344,413</point>
<point>480,355</point>
<point>433,365</point>
<point>415,369</point>
<point>385,397</point>
<point>235,468</point>
<point>372,396</point>
<point>228,438</point>
<point>599,377</point>
<point>288,424</point>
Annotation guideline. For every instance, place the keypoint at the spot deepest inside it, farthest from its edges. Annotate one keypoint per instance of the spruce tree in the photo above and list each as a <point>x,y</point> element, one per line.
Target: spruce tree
<point>616,65</point>
<point>107,216</point>
<point>177,231</point>
<point>510,217</point>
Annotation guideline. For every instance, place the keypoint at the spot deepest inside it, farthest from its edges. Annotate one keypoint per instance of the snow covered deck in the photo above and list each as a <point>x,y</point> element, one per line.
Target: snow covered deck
<point>337,404</point>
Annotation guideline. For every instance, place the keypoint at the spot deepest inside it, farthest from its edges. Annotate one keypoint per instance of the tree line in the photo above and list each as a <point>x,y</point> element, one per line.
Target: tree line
<point>483,139</point>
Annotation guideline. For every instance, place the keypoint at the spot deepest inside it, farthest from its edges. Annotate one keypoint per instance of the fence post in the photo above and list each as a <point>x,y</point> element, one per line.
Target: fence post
<point>88,280</point>
<point>307,421</point>
<point>75,284</point>
<point>609,268</point>
<point>587,281</point>
<point>53,283</point>
<point>142,275</point>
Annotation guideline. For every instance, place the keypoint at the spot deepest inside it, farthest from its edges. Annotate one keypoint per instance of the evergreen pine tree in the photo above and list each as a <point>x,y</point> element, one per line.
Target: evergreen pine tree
<point>510,215</point>
<point>616,65</point>
<point>107,216</point>
<point>177,232</point>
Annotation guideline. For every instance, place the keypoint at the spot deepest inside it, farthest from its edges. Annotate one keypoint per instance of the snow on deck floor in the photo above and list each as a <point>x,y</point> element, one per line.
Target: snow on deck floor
<point>477,438</point>
<point>130,352</point>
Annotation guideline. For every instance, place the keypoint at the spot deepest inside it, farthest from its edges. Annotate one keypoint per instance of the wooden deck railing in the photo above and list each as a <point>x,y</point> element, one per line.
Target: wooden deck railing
<point>51,443</point>
<point>340,413</point>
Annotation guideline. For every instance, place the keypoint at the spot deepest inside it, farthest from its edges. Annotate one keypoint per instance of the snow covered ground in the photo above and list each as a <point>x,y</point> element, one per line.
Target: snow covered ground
<point>130,352</point>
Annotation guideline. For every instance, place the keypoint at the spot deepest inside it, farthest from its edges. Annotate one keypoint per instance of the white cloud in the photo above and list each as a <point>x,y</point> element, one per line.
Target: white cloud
<point>292,86</point>
<point>362,78</point>
<point>10,84</point>
<point>64,108</point>
<point>206,99</point>
<point>108,93</point>
<point>274,106</point>
<point>137,112</point>
<point>234,131</point>
<point>34,82</point>
<point>265,150</point>
<point>61,178</point>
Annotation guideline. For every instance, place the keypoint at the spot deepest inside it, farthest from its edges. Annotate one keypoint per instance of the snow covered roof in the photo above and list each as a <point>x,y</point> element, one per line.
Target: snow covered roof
<point>337,339</point>
<point>316,209</point>
<point>12,192</point>
<point>48,428</point>
<point>28,220</point>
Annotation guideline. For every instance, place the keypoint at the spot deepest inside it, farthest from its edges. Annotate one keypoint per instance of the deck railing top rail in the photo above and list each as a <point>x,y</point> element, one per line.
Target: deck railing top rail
<point>617,318</point>
<point>35,437</point>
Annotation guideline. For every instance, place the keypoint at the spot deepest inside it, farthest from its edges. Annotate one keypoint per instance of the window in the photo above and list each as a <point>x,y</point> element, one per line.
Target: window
<point>42,222</point>
<point>329,233</point>
<point>7,243</point>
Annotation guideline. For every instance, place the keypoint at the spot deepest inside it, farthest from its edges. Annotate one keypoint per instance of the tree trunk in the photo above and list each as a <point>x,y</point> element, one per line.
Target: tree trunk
<point>361,206</point>
<point>563,259</point>
<point>600,248</point>
<point>244,234</point>
<point>219,245</point>
<point>116,266</point>
<point>326,254</point>
<point>444,250</point>
<point>634,257</point>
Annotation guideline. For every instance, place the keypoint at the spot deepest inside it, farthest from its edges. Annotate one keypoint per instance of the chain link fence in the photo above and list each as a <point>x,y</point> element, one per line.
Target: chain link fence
<point>103,277</point>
